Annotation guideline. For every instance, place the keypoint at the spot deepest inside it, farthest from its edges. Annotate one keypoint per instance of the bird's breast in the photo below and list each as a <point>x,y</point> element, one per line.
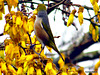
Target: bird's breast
<point>40,33</point>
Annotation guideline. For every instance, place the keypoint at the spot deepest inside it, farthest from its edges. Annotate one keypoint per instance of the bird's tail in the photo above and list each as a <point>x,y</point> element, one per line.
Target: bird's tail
<point>56,49</point>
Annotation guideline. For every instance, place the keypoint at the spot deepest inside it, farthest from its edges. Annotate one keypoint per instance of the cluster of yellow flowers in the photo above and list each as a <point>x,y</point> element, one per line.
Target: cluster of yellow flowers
<point>19,60</point>
<point>10,4</point>
<point>80,16</point>
<point>95,6</point>
<point>72,14</point>
<point>94,30</point>
<point>17,26</point>
<point>1,9</point>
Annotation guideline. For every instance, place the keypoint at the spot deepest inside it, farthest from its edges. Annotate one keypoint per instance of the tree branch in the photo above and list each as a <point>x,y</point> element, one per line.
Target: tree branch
<point>86,7</point>
<point>87,56</point>
<point>54,6</point>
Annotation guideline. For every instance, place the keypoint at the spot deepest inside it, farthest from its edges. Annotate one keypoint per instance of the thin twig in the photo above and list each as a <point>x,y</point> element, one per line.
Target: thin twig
<point>27,13</point>
<point>86,7</point>
<point>48,3</point>
<point>89,13</point>
<point>27,2</point>
<point>1,34</point>
<point>23,48</point>
<point>57,36</point>
<point>14,67</point>
<point>30,38</point>
<point>57,4</point>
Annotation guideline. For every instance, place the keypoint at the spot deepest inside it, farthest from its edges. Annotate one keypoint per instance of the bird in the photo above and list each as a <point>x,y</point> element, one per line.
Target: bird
<point>42,29</point>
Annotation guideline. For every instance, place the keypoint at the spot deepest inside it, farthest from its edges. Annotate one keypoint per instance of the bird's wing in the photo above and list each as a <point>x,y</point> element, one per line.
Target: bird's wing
<point>45,24</point>
<point>48,30</point>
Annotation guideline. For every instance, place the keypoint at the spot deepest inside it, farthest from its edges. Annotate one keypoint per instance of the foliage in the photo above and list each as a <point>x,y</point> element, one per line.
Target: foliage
<point>21,51</point>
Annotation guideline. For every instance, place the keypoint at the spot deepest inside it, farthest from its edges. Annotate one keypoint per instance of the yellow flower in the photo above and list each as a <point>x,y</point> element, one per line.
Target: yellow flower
<point>25,66</point>
<point>35,12</point>
<point>23,44</point>
<point>64,73</point>
<point>16,49</point>
<point>71,18</point>
<point>94,30</point>
<point>2,54</point>
<point>12,3</point>
<point>27,58</point>
<point>42,54</point>
<point>7,17</point>
<point>38,47</point>
<point>0,15</point>
<point>72,71</point>
<point>9,50</point>
<point>95,33</point>
<point>25,25</point>
<point>6,28</point>
<point>49,48</point>
<point>30,23</point>
<point>2,7</point>
<point>18,21</point>
<point>12,69</point>
<point>80,15</point>
<point>30,57</point>
<point>98,16</point>
<point>14,31</point>
<point>90,28</point>
<point>96,8</point>
<point>95,74</point>
<point>81,71</point>
<point>61,62</point>
<point>97,65</point>
<point>13,16</point>
<point>81,9</point>
<point>33,40</point>
<point>3,67</point>
<point>92,1</point>
<point>20,71</point>
<point>22,58</point>
<point>38,71</point>
<point>53,72</point>
<point>0,72</point>
<point>80,18</point>
<point>15,3</point>
<point>30,71</point>
<point>48,66</point>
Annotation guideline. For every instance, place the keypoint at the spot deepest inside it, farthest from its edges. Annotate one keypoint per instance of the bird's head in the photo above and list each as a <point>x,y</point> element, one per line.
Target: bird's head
<point>41,7</point>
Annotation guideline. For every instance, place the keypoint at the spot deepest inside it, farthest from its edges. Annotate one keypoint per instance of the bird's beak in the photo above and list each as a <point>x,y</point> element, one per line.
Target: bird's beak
<point>35,12</point>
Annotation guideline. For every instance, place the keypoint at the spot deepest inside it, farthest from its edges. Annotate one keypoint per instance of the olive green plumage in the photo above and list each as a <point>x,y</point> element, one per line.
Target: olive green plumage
<point>41,7</point>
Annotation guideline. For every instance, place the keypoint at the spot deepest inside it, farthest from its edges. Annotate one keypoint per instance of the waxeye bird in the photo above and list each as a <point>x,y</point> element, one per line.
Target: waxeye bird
<point>42,29</point>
